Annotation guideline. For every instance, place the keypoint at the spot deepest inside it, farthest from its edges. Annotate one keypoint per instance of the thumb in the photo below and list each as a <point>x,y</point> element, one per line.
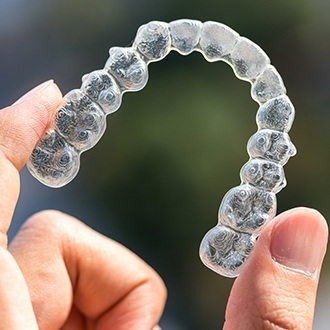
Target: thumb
<point>277,288</point>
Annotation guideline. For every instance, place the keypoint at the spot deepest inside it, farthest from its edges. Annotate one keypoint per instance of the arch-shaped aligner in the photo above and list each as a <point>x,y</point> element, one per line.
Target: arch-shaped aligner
<point>80,122</point>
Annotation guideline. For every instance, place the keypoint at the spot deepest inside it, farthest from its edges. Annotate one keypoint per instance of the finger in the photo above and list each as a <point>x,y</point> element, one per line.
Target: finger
<point>277,288</point>
<point>21,126</point>
<point>63,259</point>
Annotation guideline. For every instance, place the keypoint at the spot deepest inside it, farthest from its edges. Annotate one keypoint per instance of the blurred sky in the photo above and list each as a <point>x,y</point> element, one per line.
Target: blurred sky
<point>156,179</point>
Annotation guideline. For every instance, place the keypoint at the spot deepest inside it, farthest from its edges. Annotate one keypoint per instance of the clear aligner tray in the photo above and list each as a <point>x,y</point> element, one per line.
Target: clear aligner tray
<point>81,121</point>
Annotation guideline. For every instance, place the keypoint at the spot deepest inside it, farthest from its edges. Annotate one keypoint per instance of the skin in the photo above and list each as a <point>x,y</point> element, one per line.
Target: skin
<point>68,276</point>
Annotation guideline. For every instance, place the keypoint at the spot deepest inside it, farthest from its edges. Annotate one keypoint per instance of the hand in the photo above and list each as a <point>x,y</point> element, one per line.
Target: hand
<point>58,273</point>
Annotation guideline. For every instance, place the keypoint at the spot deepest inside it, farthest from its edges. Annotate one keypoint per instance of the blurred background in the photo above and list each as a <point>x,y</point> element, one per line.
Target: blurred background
<point>155,180</point>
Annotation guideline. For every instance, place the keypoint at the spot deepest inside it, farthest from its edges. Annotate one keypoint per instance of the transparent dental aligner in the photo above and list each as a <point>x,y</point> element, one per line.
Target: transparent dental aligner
<point>128,67</point>
<point>217,41</point>
<point>263,174</point>
<point>80,120</point>
<point>225,250</point>
<point>54,162</point>
<point>101,88</point>
<point>267,85</point>
<point>185,35</point>
<point>153,40</point>
<point>246,209</point>
<point>271,145</point>
<point>277,114</point>
<point>248,59</point>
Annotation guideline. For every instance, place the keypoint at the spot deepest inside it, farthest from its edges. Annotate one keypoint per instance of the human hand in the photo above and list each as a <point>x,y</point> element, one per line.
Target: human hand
<point>58,273</point>
<point>68,276</point>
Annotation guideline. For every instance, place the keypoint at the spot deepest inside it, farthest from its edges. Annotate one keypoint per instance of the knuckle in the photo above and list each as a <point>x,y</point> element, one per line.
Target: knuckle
<point>285,318</point>
<point>46,222</point>
<point>282,311</point>
<point>279,320</point>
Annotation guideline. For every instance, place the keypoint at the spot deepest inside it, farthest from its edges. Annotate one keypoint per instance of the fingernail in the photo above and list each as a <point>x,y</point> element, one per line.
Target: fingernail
<point>299,241</point>
<point>32,93</point>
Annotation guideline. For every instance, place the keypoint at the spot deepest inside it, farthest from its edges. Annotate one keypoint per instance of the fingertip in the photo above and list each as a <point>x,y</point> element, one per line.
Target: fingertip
<point>298,241</point>
<point>279,283</point>
<point>42,103</point>
<point>48,86</point>
<point>301,211</point>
